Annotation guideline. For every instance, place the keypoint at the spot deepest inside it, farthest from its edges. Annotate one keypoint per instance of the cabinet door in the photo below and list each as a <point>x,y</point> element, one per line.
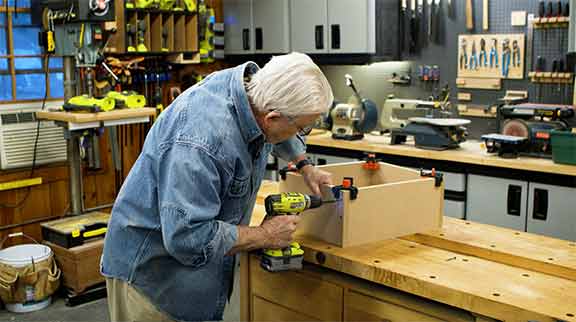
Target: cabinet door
<point>552,211</point>
<point>239,34</point>
<point>351,26</point>
<point>496,201</point>
<point>271,26</point>
<point>308,25</point>
<point>263,310</point>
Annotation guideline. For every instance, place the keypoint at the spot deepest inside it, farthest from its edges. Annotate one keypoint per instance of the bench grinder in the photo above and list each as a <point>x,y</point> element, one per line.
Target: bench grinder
<point>349,121</point>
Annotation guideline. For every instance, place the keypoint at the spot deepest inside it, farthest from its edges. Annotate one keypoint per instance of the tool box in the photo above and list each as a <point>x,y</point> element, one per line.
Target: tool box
<point>563,147</point>
<point>73,231</point>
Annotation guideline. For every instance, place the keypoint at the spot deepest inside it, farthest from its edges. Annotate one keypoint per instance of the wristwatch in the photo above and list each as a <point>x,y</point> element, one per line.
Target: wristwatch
<point>302,163</point>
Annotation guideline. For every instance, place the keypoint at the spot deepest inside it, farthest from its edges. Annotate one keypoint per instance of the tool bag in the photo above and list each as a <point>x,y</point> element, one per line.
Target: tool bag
<point>33,282</point>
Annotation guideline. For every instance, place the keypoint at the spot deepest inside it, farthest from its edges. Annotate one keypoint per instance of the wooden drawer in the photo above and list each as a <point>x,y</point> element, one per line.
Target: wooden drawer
<point>363,308</point>
<point>310,296</point>
<point>263,310</point>
<point>389,307</point>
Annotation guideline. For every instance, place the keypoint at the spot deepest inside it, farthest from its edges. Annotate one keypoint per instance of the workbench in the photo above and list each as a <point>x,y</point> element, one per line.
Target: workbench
<point>463,272</point>
<point>470,154</point>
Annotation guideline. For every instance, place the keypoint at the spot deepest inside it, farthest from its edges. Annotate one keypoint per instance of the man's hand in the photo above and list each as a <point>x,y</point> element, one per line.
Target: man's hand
<point>278,230</point>
<point>315,177</point>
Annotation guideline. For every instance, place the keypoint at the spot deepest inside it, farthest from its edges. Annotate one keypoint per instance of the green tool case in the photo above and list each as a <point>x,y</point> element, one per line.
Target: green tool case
<point>563,147</point>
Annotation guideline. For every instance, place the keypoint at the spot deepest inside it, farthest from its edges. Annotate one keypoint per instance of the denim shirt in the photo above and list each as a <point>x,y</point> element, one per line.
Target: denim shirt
<point>196,179</point>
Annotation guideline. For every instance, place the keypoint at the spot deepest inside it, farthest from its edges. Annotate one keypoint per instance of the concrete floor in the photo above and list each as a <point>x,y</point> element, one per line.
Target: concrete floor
<point>97,311</point>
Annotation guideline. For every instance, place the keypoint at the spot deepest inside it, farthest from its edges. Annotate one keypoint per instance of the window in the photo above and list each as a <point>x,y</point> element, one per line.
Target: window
<point>22,66</point>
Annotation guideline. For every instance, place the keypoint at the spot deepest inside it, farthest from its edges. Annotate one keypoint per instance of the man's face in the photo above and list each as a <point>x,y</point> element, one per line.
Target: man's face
<point>279,128</point>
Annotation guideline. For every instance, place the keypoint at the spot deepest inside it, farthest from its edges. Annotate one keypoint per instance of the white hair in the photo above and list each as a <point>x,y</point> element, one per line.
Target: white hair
<point>292,85</point>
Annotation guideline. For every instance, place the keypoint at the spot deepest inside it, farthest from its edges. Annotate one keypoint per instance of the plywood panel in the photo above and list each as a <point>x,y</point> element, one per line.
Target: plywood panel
<point>96,117</point>
<point>393,210</point>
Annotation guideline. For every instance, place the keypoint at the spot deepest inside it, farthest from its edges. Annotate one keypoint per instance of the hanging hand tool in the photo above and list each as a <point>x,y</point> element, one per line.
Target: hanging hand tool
<point>485,17</point>
<point>431,18</point>
<point>505,58</point>
<point>540,67</point>
<point>473,57</point>
<point>494,54</point>
<point>423,10</point>
<point>291,203</point>
<point>542,14</point>
<point>414,25</point>
<point>451,10</point>
<point>403,26</point>
<point>463,54</point>
<point>483,55</point>
<point>469,15</point>
<point>516,56</point>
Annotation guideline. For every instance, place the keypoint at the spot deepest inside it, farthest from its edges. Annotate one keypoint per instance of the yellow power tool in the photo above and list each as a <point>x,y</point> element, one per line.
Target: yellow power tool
<point>288,203</point>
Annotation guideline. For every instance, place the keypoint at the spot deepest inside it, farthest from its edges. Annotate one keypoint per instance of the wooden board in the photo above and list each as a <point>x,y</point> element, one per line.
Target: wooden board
<point>95,117</point>
<point>479,83</point>
<point>470,152</point>
<point>529,251</point>
<point>383,208</point>
<point>492,289</point>
<point>487,71</point>
<point>80,265</point>
<point>464,97</point>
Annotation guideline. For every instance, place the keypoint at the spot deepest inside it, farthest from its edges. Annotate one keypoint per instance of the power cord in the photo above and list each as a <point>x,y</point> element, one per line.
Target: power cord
<point>34,154</point>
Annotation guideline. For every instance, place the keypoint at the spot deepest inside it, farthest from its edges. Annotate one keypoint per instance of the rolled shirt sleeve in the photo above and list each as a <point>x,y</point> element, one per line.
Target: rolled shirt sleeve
<point>290,149</point>
<point>189,198</point>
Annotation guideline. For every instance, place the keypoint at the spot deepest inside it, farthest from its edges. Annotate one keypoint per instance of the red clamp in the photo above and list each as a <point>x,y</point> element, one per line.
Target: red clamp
<point>371,162</point>
<point>289,168</point>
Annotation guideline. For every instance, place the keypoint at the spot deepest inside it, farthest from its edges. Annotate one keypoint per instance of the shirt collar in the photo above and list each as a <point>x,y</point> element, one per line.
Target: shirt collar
<point>248,125</point>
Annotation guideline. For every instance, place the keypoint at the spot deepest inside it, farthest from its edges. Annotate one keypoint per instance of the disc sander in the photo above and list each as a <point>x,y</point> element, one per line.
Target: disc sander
<point>516,128</point>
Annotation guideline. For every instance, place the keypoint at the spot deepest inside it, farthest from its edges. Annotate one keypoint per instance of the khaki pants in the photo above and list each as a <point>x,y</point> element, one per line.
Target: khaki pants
<point>126,304</point>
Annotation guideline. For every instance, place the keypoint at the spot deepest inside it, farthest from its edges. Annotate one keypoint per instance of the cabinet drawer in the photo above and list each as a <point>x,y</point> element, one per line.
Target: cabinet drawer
<point>263,310</point>
<point>454,181</point>
<point>360,307</point>
<point>297,291</point>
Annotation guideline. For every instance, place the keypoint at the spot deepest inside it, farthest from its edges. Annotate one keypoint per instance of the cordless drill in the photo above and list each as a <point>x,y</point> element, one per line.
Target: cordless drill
<point>288,203</point>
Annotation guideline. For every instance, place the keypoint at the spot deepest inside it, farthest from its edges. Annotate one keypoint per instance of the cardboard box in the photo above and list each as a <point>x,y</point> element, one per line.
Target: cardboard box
<point>392,201</point>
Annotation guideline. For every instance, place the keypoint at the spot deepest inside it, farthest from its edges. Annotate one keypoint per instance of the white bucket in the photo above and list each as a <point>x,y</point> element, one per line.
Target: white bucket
<point>20,256</point>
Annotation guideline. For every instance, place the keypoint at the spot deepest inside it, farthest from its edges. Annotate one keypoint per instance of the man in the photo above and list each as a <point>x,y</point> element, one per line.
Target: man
<point>183,210</point>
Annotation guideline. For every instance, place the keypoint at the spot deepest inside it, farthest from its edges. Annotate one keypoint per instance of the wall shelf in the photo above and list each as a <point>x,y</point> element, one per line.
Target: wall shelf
<point>551,78</point>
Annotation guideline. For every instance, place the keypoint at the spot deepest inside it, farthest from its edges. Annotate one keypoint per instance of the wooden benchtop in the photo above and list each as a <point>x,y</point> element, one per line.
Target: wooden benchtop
<point>494,271</point>
<point>95,117</point>
<point>469,152</point>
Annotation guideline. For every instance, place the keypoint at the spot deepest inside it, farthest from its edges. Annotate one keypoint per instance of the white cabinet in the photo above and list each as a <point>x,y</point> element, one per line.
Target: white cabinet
<point>239,32</point>
<point>256,26</point>
<point>333,26</point>
<point>497,201</point>
<point>552,211</point>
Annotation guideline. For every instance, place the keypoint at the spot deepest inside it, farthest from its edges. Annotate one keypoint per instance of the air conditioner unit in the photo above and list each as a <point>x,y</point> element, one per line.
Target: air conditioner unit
<point>17,137</point>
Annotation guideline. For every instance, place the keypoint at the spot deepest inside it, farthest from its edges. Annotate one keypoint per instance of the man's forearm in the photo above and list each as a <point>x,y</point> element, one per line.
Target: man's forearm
<point>249,238</point>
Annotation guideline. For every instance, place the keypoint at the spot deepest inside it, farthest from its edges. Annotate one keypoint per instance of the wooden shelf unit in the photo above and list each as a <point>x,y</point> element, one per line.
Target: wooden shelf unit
<point>181,28</point>
<point>551,78</point>
<point>552,22</point>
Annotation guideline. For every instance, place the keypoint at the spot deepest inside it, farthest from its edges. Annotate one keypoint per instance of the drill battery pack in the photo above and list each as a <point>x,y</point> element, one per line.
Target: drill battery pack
<point>277,260</point>
<point>74,231</point>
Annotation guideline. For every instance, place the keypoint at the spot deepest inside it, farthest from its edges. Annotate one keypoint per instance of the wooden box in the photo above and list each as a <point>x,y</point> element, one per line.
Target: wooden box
<point>392,201</point>
<point>80,265</point>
